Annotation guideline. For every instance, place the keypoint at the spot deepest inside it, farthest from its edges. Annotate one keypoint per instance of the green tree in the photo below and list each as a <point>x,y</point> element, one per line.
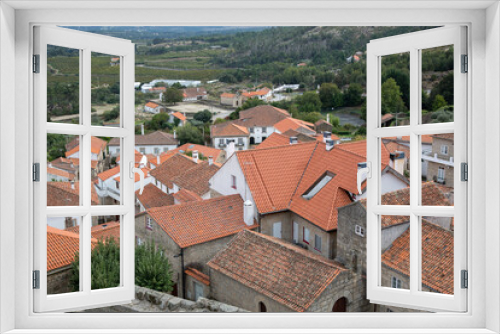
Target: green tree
<point>178,85</point>
<point>334,121</point>
<point>203,116</point>
<point>353,96</point>
<point>308,102</point>
<point>189,134</point>
<point>105,266</point>
<point>152,269</point>
<point>330,95</point>
<point>311,117</point>
<point>56,146</point>
<point>392,102</point>
<point>172,95</point>
<point>438,102</point>
<point>159,122</point>
<point>220,120</point>
<point>111,114</point>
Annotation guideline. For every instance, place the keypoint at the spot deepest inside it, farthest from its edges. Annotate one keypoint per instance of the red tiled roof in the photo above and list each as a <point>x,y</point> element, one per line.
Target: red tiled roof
<point>393,146</point>
<point>184,196</point>
<point>196,178</point>
<point>437,257</point>
<point>62,247</point>
<point>227,95</point>
<point>153,197</point>
<point>137,177</point>
<point>153,138</point>
<point>263,115</point>
<point>62,173</point>
<point>198,275</point>
<point>259,92</point>
<point>449,136</point>
<point>137,157</point>
<point>293,124</point>
<point>65,194</point>
<point>205,150</point>
<point>152,105</point>
<point>201,221</point>
<point>228,129</point>
<point>97,145</point>
<point>101,231</point>
<point>109,173</point>
<point>426,139</point>
<point>164,156</point>
<point>179,116</point>
<point>274,140</point>
<point>194,91</point>
<point>288,274</point>
<point>173,167</point>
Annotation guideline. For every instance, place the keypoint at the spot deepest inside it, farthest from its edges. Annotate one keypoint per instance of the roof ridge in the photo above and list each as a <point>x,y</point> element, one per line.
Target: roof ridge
<point>204,202</point>
<point>303,173</point>
<point>261,180</point>
<point>272,147</point>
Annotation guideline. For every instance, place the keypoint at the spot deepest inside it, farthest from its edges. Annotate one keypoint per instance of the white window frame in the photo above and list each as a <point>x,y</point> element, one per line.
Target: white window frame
<point>483,98</point>
<point>316,238</point>
<point>444,149</point>
<point>415,297</point>
<point>295,232</point>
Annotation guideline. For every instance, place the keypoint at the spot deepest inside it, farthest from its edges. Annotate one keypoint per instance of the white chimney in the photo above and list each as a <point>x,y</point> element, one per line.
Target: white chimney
<point>142,129</point>
<point>326,135</point>
<point>175,135</point>
<point>158,160</point>
<point>329,144</point>
<point>72,183</point>
<point>195,156</point>
<point>293,140</point>
<point>210,160</point>
<point>248,212</point>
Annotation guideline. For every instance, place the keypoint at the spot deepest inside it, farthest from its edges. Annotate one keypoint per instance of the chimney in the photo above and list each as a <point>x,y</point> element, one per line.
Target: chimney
<point>248,212</point>
<point>329,144</point>
<point>175,135</point>
<point>195,156</point>
<point>361,165</point>
<point>210,160</point>
<point>293,140</point>
<point>72,183</point>
<point>328,118</point>
<point>158,160</point>
<point>326,135</point>
<point>142,129</point>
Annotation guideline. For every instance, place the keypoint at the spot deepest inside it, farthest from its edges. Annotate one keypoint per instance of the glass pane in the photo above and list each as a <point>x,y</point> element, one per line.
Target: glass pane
<point>437,85</point>
<point>105,97</point>
<point>105,258</point>
<point>395,175</point>
<point>63,247</point>
<point>438,169</point>
<point>63,85</point>
<point>437,254</point>
<point>105,171</point>
<point>395,91</point>
<point>395,252</point>
<point>63,170</point>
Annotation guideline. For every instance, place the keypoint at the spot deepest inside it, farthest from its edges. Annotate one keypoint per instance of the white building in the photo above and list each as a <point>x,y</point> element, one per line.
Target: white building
<point>152,143</point>
<point>153,108</point>
<point>222,136</point>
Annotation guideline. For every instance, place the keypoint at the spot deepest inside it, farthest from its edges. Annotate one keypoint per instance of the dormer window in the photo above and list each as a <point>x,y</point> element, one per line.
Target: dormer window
<point>318,185</point>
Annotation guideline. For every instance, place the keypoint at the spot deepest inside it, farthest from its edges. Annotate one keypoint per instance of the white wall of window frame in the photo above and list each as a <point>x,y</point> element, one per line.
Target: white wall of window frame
<point>483,19</point>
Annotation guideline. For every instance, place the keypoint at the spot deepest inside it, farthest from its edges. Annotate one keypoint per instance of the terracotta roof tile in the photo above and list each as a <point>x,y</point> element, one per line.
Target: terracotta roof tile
<point>437,257</point>
<point>449,136</point>
<point>179,116</point>
<point>101,231</point>
<point>205,150</point>
<point>153,197</point>
<point>198,275</point>
<point>164,156</point>
<point>198,222</point>
<point>260,92</point>
<point>294,124</point>
<point>173,167</point>
<point>196,178</point>
<point>393,146</point>
<point>264,115</point>
<point>194,92</point>
<point>66,194</point>
<point>151,104</point>
<point>62,247</point>
<point>426,139</point>
<point>281,271</point>
<point>229,95</point>
<point>228,129</point>
<point>61,173</point>
<point>153,138</point>
<point>113,172</point>
<point>97,145</point>
<point>184,196</point>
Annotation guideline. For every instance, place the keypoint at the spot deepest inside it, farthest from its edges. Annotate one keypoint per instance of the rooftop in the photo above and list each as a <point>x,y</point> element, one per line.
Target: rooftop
<point>173,167</point>
<point>102,231</point>
<point>184,196</point>
<point>288,274</point>
<point>61,247</point>
<point>153,138</point>
<point>196,178</point>
<point>97,145</point>
<point>228,129</point>
<point>67,193</point>
<point>153,197</point>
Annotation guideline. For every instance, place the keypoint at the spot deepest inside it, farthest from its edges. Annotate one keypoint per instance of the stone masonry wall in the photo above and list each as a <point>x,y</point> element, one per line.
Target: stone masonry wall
<point>58,280</point>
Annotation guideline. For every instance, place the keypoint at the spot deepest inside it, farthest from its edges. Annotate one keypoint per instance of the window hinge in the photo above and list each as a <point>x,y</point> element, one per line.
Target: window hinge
<point>36,172</point>
<point>36,63</point>
<point>464,171</point>
<point>465,64</point>
<point>36,279</point>
<point>465,279</point>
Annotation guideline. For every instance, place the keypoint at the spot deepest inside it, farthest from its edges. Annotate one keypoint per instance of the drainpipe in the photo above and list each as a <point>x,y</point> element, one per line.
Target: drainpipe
<point>183,278</point>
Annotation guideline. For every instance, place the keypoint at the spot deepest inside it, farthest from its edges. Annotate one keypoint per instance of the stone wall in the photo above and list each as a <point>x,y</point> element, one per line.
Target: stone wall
<point>58,280</point>
<point>147,300</point>
<point>351,248</point>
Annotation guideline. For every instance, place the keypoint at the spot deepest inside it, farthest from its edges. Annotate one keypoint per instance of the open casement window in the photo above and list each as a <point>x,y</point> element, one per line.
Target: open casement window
<point>431,251</point>
<point>68,199</point>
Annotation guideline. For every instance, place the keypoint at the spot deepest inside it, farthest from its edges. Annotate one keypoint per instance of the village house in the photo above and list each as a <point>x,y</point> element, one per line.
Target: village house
<point>153,108</point>
<point>229,99</point>
<point>295,125</point>
<point>61,249</point>
<point>70,166</point>
<point>196,179</point>
<point>175,117</point>
<point>190,234</point>
<point>292,136</point>
<point>55,174</point>
<point>164,174</point>
<point>237,100</point>
<point>194,94</point>
<point>97,149</point>
<point>265,274</point>
<point>67,194</point>
<point>440,162</point>
<point>297,188</point>
<point>151,197</point>
<point>228,133</point>
<point>219,156</point>
<point>151,143</point>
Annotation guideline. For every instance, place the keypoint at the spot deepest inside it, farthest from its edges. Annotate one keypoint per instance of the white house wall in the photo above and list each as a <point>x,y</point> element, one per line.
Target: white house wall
<point>258,134</point>
<point>388,183</point>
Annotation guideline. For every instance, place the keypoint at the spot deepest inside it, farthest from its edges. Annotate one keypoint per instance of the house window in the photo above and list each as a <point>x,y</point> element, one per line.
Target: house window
<point>395,282</point>
<point>139,241</point>
<point>295,232</point>
<point>165,149</point>
<point>359,230</point>
<point>240,141</point>
<point>444,149</point>
<point>233,181</point>
<point>305,235</point>
<point>142,150</point>
<point>317,242</point>
<point>264,129</point>
<point>149,224</point>
<point>252,130</point>
<point>440,176</point>
<point>157,150</point>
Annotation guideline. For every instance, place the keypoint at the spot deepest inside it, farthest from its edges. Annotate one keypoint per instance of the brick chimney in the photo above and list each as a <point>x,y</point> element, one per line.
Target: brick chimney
<point>329,144</point>
<point>195,156</point>
<point>248,212</point>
